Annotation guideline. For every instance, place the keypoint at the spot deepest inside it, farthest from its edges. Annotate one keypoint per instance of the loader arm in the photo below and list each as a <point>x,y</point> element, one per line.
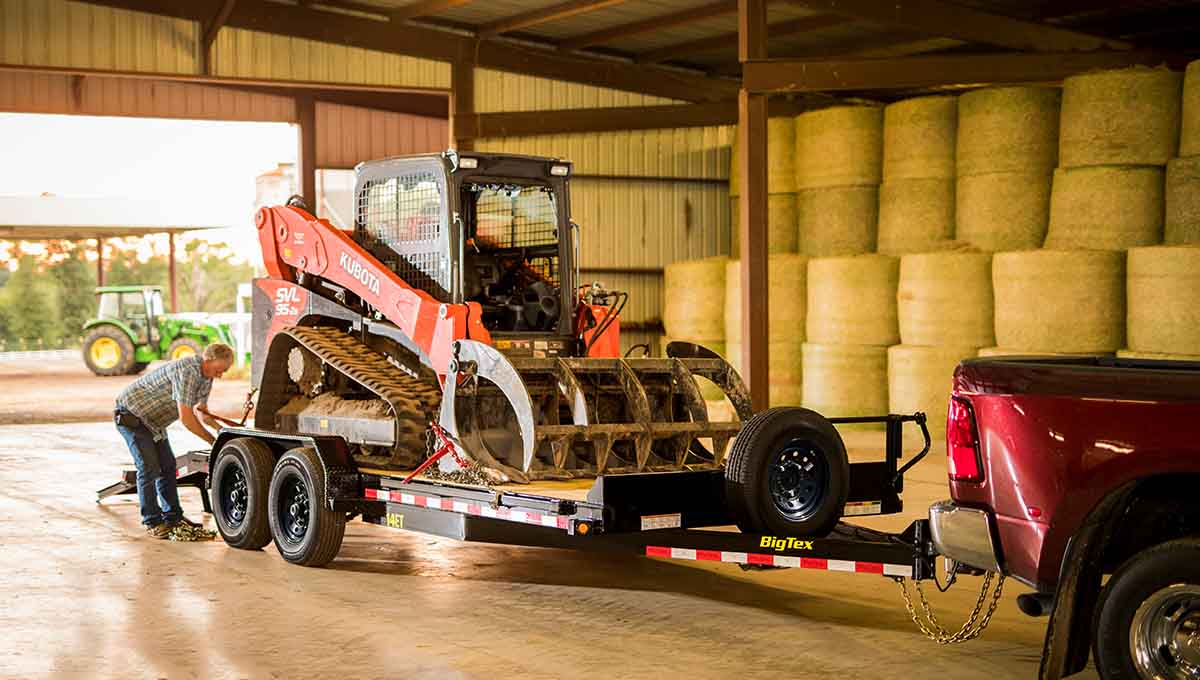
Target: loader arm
<point>294,241</point>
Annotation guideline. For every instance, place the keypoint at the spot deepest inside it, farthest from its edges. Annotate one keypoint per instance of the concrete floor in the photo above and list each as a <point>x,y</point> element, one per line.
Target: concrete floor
<point>87,595</point>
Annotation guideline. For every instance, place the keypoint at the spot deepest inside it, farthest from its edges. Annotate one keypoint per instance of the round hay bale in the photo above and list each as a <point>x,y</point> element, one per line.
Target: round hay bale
<point>1163,298</point>
<point>781,149</point>
<point>914,214</point>
<point>839,146</point>
<point>946,299</point>
<point>852,300</point>
<point>1009,352</point>
<point>1008,129</point>
<point>846,380</point>
<point>1189,136</point>
<point>1106,208</point>
<point>1122,117</point>
<point>1059,300</point>
<point>694,306</point>
<point>1003,210</point>
<point>787,277</point>
<point>920,378</point>
<point>1182,223</point>
<point>1157,356</point>
<point>781,224</point>
<point>786,371</point>
<point>837,220</point>
<point>919,138</point>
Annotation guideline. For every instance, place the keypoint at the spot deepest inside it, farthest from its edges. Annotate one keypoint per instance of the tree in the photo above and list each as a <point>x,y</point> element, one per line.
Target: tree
<point>31,309</point>
<point>76,283</point>
<point>208,280</point>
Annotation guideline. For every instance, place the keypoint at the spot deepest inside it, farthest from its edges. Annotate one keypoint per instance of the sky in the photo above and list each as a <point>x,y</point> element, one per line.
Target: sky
<point>172,160</point>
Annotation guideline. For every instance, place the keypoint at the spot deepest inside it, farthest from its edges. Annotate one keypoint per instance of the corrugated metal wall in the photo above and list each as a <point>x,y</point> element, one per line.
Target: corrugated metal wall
<point>643,198</point>
<point>28,92</point>
<point>250,54</point>
<point>77,35</point>
<point>347,135</point>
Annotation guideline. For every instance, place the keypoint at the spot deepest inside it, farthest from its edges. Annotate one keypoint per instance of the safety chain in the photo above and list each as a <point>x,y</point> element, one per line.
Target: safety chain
<point>974,625</point>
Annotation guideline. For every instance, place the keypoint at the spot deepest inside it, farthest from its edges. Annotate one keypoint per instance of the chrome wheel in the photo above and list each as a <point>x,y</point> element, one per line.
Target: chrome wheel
<point>1164,636</point>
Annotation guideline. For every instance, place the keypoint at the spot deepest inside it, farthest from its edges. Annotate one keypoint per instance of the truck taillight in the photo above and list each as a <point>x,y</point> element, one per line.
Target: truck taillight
<point>962,442</point>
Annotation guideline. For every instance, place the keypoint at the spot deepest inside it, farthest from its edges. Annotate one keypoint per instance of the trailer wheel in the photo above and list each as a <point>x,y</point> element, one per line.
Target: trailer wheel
<point>305,530</point>
<point>787,474</point>
<point>1149,622</point>
<point>238,490</point>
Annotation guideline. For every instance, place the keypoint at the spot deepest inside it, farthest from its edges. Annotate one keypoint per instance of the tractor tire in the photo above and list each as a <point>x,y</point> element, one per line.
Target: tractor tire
<point>239,488</point>
<point>138,367</point>
<point>108,351</point>
<point>305,530</point>
<point>182,348</point>
<point>1148,612</point>
<point>787,474</point>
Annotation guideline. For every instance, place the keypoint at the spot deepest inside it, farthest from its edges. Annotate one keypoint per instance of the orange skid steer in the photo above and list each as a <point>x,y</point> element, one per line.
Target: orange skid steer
<point>456,300</point>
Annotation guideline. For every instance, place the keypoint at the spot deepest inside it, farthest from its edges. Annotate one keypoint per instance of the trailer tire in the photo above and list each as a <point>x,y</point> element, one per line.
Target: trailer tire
<point>305,530</point>
<point>238,490</point>
<point>787,474</point>
<point>1153,597</point>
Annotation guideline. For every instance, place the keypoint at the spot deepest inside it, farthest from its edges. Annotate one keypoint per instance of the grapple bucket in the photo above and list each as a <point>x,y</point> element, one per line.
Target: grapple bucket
<point>558,418</point>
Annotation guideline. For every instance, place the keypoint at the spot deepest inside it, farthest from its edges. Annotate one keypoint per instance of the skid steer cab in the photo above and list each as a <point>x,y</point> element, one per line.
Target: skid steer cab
<point>456,299</point>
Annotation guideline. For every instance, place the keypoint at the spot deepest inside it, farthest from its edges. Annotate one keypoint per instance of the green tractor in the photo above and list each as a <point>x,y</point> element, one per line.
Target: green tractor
<point>132,329</point>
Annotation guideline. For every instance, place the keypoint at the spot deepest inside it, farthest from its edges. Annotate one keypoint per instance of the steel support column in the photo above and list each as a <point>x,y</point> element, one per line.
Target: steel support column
<point>306,157</point>
<point>99,261</point>
<point>752,166</point>
<point>171,271</point>
<point>462,105</point>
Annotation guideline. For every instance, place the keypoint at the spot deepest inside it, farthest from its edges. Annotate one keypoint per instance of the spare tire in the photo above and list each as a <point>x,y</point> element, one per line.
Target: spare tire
<point>787,474</point>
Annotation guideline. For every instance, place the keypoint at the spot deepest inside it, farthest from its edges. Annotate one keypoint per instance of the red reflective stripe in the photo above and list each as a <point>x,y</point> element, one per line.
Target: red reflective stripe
<point>709,555</point>
<point>656,551</point>
<point>814,563</point>
<point>447,504</point>
<point>563,523</point>
<point>868,567</point>
<point>753,558</point>
<point>474,509</point>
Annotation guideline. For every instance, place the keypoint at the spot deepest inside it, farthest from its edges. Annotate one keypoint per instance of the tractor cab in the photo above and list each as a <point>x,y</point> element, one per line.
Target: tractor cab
<point>137,307</point>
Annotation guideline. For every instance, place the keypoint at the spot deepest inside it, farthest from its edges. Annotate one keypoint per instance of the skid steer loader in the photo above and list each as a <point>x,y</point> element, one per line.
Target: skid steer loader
<point>455,307</point>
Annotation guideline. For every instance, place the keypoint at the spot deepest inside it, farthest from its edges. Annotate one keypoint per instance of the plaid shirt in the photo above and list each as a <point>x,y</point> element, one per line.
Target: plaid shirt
<point>154,397</point>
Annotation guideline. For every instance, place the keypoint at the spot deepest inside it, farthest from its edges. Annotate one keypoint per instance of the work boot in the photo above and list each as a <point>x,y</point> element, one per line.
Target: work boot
<point>158,531</point>
<point>185,522</point>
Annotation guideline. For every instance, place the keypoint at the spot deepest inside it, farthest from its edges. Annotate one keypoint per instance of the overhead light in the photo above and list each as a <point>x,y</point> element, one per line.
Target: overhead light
<point>560,170</point>
<point>468,163</point>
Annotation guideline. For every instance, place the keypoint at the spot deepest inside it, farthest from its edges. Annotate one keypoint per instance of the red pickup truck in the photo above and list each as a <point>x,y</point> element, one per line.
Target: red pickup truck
<point>1064,471</point>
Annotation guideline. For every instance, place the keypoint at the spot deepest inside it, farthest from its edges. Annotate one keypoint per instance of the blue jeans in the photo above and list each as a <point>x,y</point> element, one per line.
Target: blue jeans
<point>157,493</point>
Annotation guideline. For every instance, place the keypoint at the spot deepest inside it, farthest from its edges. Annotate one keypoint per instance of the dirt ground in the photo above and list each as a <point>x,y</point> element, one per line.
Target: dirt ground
<point>87,595</point>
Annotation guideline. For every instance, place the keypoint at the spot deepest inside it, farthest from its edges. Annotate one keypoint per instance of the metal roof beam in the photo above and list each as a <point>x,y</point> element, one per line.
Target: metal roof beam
<point>832,75</point>
<point>424,8</point>
<point>544,15</point>
<point>726,40</point>
<point>651,25</point>
<point>937,18</point>
<point>211,28</point>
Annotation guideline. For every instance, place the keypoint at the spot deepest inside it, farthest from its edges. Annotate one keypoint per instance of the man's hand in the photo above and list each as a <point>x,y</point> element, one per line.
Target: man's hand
<point>187,415</point>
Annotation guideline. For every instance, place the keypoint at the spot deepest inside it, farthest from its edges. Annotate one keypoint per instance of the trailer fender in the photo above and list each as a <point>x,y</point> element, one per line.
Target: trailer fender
<point>343,484</point>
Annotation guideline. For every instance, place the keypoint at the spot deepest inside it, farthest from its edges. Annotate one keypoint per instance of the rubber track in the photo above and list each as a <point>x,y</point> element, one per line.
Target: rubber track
<point>414,402</point>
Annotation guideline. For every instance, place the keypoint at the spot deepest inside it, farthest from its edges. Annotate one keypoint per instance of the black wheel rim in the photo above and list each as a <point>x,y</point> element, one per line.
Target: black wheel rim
<point>234,496</point>
<point>293,508</point>
<point>798,478</point>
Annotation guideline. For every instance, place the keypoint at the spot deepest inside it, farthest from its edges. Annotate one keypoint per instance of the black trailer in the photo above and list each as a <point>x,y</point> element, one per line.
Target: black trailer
<point>298,491</point>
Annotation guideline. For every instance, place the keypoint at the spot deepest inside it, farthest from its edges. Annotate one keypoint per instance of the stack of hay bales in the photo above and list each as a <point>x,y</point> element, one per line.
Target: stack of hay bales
<point>786,285</point>
<point>1183,173</point>
<point>916,199</point>
<point>945,315</point>
<point>851,322</point>
<point>1007,150</point>
<point>781,188</point>
<point>838,153</point>
<point>1118,129</point>
<point>694,309</point>
<point>1163,289</point>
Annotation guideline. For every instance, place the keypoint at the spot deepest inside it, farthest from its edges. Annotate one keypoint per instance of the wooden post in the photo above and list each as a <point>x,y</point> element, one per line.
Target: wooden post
<point>462,103</point>
<point>171,271</point>
<point>99,261</point>
<point>306,157</point>
<point>752,166</point>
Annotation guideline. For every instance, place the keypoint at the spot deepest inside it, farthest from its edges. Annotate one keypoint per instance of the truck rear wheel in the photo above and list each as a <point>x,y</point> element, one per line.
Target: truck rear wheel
<point>1149,622</point>
<point>107,350</point>
<point>239,488</point>
<point>787,474</point>
<point>305,530</point>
